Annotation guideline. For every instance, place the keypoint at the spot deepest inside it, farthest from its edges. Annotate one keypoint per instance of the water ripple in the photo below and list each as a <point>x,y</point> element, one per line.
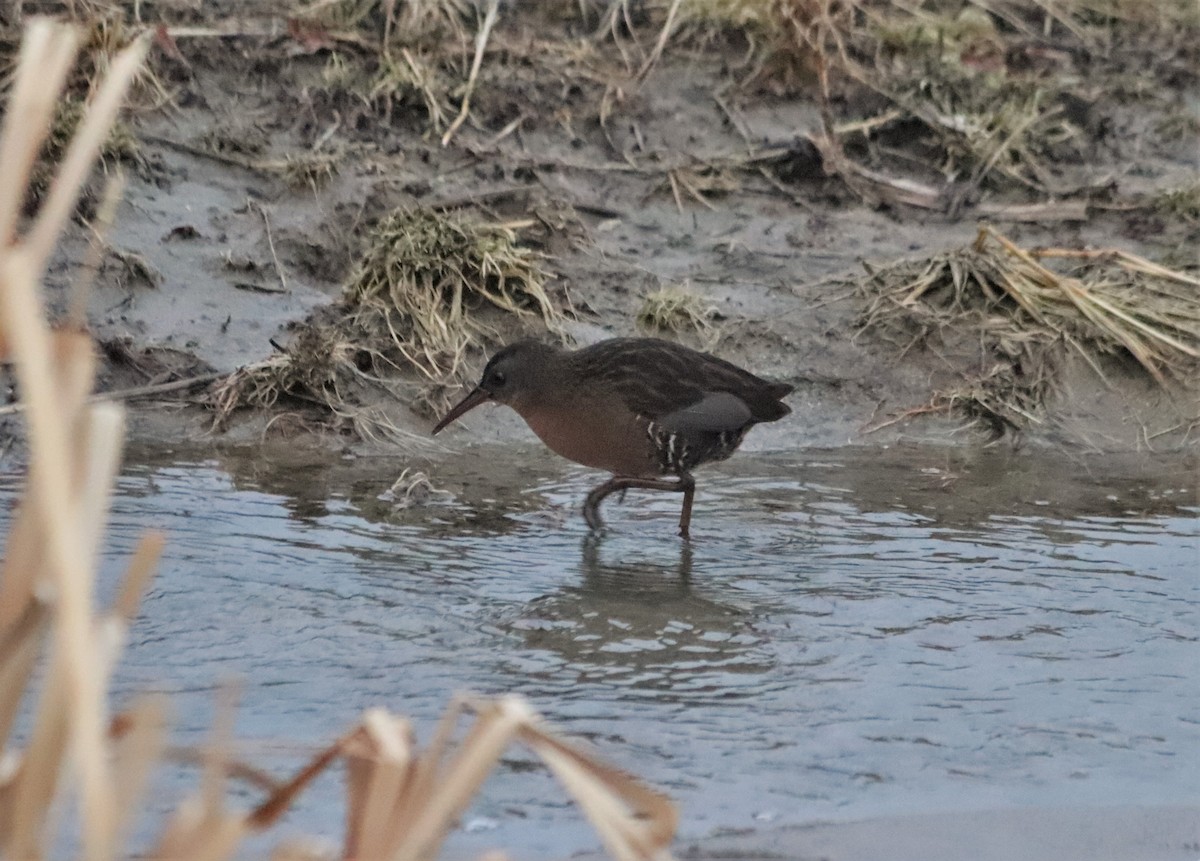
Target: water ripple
<point>843,634</point>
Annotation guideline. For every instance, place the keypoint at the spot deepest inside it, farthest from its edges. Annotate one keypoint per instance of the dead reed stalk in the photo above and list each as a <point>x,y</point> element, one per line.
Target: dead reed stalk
<point>402,802</point>
<point>1026,308</point>
<point>74,451</point>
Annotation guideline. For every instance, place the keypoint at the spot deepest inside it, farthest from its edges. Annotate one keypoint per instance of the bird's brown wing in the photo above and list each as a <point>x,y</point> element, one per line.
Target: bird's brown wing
<point>659,379</point>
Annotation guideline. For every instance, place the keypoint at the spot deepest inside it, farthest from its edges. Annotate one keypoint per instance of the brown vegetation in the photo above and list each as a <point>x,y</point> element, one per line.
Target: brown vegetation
<point>1026,315</point>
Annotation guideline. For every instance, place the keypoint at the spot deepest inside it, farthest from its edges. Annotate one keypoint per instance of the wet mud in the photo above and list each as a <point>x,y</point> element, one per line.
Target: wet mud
<point>251,195</point>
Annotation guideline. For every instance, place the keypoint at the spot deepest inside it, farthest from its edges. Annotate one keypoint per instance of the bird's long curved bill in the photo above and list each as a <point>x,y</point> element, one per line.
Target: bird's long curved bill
<point>468,403</point>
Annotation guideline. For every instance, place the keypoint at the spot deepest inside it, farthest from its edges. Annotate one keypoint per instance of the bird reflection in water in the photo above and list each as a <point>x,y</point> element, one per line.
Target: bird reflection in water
<point>600,576</point>
<point>641,627</point>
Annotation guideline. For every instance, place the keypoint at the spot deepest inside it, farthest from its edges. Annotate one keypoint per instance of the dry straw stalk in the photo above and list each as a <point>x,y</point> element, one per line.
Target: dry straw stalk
<point>401,802</point>
<point>74,451</point>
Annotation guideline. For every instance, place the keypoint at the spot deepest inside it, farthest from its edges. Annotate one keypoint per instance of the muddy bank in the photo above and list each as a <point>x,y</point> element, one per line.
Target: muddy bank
<point>251,197</point>
<point>326,197</point>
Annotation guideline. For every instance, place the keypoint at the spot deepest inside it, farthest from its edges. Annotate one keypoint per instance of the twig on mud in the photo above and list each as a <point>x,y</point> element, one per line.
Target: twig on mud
<point>201,152</point>
<point>480,44</point>
<point>238,28</point>
<point>776,184</point>
<point>659,45</point>
<point>271,245</point>
<point>924,409</point>
<point>870,184</point>
<point>1051,210</point>
<point>480,196</point>
<point>677,179</point>
<point>1188,425</point>
<point>268,167</point>
<point>675,190</point>
<point>668,161</point>
<point>507,130</point>
<point>258,288</point>
<point>159,388</point>
<point>324,137</point>
<point>132,393</point>
<point>878,186</point>
<point>866,126</point>
<point>735,121</point>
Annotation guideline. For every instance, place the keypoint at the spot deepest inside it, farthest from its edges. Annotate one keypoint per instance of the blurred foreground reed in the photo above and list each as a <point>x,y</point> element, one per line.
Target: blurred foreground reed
<point>401,801</point>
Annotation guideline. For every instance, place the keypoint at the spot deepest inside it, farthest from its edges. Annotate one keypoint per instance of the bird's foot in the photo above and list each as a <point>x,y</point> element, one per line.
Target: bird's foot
<point>685,484</point>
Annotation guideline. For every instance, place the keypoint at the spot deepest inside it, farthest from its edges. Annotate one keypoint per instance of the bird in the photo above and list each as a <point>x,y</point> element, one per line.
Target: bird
<point>646,410</point>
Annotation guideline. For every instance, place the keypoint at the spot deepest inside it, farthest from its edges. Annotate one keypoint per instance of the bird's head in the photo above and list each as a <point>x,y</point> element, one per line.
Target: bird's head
<point>514,376</point>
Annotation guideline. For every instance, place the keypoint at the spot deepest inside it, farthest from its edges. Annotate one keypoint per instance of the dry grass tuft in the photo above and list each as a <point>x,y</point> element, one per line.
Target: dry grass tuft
<point>310,170</point>
<point>105,31</point>
<point>419,297</point>
<point>317,368</point>
<point>986,131</point>
<point>676,310</point>
<point>1026,314</point>
<point>324,367</point>
<point>416,57</point>
<point>411,78</point>
<point>108,31</point>
<point>393,83</point>
<point>780,35</point>
<point>425,276</point>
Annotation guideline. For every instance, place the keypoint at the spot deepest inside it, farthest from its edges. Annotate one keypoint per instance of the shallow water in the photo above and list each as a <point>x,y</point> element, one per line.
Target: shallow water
<point>850,634</point>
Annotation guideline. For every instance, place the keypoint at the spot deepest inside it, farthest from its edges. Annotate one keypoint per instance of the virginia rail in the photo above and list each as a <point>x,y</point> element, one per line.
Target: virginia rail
<point>637,407</point>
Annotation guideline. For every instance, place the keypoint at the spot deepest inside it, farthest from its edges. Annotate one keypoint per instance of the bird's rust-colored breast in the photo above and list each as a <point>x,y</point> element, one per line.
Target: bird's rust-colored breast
<point>599,434</point>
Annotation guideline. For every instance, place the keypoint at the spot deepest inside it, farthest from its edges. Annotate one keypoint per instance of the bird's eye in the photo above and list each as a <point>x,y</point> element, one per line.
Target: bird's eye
<point>498,378</point>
